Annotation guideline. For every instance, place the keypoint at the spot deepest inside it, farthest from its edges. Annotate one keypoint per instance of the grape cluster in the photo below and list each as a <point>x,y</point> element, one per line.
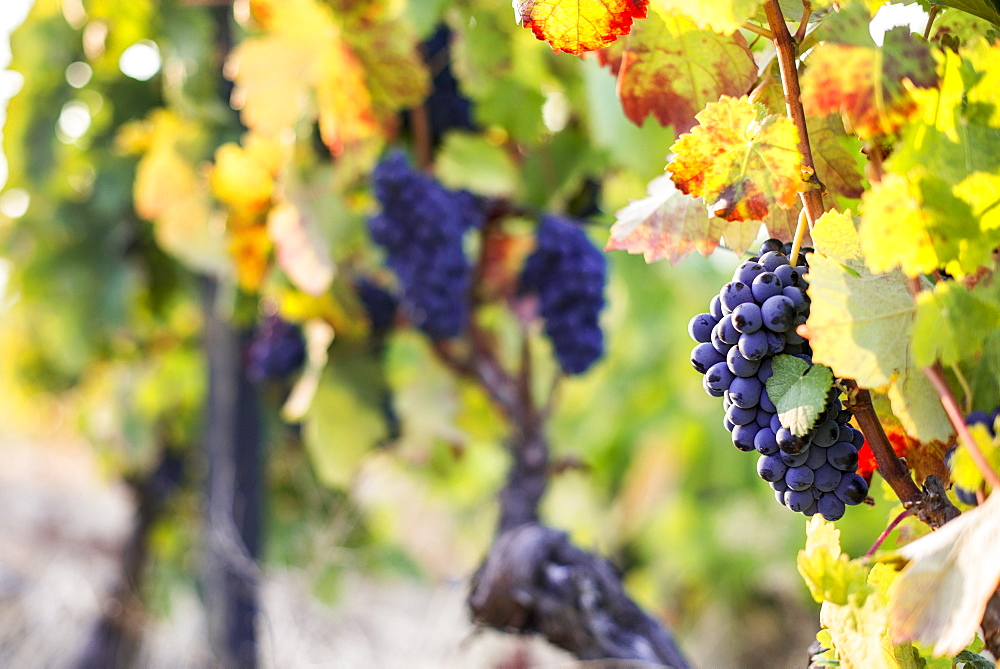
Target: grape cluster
<point>421,227</point>
<point>965,495</point>
<point>276,350</point>
<point>567,272</point>
<point>752,319</point>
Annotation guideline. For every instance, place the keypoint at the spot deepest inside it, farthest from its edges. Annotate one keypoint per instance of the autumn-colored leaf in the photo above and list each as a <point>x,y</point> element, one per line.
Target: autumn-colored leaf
<point>300,251</point>
<point>395,75</point>
<point>250,249</point>
<point>670,69</point>
<point>740,159</point>
<point>576,26</point>
<point>667,224</point>
<point>241,177</point>
<point>864,83</point>
<point>722,16</point>
<point>302,68</point>
<point>835,154</point>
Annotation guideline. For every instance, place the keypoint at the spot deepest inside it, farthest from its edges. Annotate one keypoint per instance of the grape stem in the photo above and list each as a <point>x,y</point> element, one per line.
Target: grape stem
<point>906,513</point>
<point>935,375</point>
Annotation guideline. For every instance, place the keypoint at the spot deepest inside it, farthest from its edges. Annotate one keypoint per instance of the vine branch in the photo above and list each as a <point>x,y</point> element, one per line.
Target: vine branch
<point>787,48</point>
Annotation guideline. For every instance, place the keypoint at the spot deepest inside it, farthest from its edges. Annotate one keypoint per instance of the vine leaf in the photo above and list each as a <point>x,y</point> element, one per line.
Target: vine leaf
<point>303,257</point>
<point>986,9</point>
<point>670,69</point>
<point>168,191</point>
<point>965,472</point>
<point>242,176</point>
<point>835,155</point>
<point>853,616</point>
<point>721,16</point>
<point>939,597</point>
<point>861,325</point>
<point>667,224</point>
<point>576,26</point>
<point>740,159</point>
<point>954,322</point>
<point>938,204</point>
<point>860,322</point>
<point>864,83</point>
<point>799,392</point>
<point>301,67</point>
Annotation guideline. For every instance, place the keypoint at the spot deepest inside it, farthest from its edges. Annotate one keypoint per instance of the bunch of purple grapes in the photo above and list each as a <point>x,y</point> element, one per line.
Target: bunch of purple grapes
<point>753,319</point>
<point>421,227</point>
<point>277,350</point>
<point>568,272</point>
<point>965,495</point>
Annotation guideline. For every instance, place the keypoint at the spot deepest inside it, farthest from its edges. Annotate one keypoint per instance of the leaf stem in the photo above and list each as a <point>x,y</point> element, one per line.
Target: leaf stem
<point>935,375</point>
<point>804,22</point>
<point>812,197</point>
<point>931,15</point>
<point>887,531</point>
<point>756,29</point>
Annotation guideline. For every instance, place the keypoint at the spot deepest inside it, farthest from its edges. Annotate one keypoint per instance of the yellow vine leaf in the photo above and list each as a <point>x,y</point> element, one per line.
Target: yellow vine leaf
<point>576,26</point>
<point>722,16</point>
<point>301,68</point>
<point>169,191</point>
<point>300,252</point>
<point>740,159</point>
<point>243,177</point>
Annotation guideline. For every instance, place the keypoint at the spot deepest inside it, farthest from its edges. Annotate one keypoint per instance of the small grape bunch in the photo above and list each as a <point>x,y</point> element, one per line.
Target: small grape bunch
<point>752,320</point>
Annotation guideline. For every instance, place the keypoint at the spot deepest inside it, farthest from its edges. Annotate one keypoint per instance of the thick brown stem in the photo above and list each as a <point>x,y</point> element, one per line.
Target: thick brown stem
<point>889,465</point>
<point>812,197</point>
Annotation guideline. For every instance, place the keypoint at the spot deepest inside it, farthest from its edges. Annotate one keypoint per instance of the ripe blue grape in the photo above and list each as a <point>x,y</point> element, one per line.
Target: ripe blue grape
<point>745,391</point>
<point>734,294</point>
<point>778,313</point>
<point>852,489</point>
<point>827,477</point>
<point>764,441</point>
<point>739,365</point>
<point>764,286</point>
<point>746,317</point>
<point>700,327</point>
<point>703,356</point>
<point>747,272</point>
<point>276,350</point>
<point>771,468</point>
<point>753,346</point>
<point>844,456</point>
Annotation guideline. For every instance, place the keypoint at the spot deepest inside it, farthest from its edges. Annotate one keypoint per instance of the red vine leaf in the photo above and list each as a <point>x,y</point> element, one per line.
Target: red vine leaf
<point>740,159</point>
<point>576,26</point>
<point>670,69</point>
<point>864,84</point>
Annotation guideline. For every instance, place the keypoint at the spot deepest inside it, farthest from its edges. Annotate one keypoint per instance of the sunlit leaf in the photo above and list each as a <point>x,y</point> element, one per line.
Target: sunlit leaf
<point>721,16</point>
<point>864,83</point>
<point>860,322</point>
<point>300,250</point>
<point>918,407</point>
<point>740,159</point>
<point>827,571</point>
<point>799,392</point>
<point>670,69</point>
<point>302,68</point>
<point>939,597</point>
<point>576,26</point>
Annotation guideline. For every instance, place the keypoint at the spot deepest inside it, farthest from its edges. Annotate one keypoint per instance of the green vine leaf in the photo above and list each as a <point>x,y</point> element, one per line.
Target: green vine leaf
<point>799,392</point>
<point>986,9</point>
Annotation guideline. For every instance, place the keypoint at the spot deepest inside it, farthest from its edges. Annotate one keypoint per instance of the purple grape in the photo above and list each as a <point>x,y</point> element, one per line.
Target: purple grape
<point>769,245</point>
<point>778,313</point>
<point>718,377</point>
<point>765,286</point>
<point>733,294</point>
<point>743,436</point>
<point>798,500</point>
<point>739,365</point>
<point>789,442</point>
<point>740,416</point>
<point>817,456</point>
<point>765,442</point>
<point>710,391</point>
<point>843,456</point>
<point>852,489</point>
<point>727,331</point>
<point>787,275</point>
<point>794,459</point>
<point>827,477</point>
<point>747,272</point>
<point>700,327</point>
<point>799,478</point>
<point>753,346</point>
<point>765,401</point>
<point>746,318</point>
<point>704,356</point>
<point>826,434</point>
<point>772,260</point>
<point>771,468</point>
<point>715,308</point>
<point>831,506</point>
<point>745,391</point>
